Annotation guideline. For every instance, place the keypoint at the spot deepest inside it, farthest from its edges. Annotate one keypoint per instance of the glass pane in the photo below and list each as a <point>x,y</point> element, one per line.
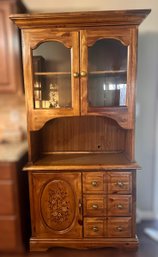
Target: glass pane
<point>107,73</point>
<point>52,76</point>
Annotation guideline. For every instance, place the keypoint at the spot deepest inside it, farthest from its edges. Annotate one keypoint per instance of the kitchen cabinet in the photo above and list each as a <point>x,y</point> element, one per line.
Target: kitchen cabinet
<point>10,74</point>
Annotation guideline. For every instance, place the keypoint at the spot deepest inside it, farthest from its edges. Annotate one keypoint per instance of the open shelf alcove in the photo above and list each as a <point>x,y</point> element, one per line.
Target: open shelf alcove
<point>81,141</point>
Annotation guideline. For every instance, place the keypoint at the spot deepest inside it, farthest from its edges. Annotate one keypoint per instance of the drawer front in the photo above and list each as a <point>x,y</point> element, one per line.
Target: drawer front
<point>94,205</point>
<point>93,182</point>
<point>119,227</point>
<point>94,227</point>
<point>119,182</point>
<point>119,205</point>
<point>6,198</point>
<point>8,234</point>
<point>6,171</point>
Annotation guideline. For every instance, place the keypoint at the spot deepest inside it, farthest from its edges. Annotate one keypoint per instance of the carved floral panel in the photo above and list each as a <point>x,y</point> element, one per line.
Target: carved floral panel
<point>58,205</point>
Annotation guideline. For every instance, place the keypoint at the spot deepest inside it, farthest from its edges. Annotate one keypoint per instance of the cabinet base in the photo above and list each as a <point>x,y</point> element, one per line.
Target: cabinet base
<point>45,244</point>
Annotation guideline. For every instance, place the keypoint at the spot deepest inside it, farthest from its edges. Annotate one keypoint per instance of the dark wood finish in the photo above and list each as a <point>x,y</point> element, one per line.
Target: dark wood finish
<point>81,159</point>
<point>10,74</point>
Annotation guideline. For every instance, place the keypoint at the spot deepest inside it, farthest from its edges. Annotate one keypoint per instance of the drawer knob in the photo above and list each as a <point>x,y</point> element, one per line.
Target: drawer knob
<point>83,73</point>
<point>76,74</point>
<point>95,206</point>
<point>94,183</point>
<point>95,229</point>
<point>120,184</point>
<point>120,228</point>
<point>120,206</point>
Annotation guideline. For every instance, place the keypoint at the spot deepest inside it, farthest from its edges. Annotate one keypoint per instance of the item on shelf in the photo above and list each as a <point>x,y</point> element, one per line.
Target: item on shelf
<point>53,96</point>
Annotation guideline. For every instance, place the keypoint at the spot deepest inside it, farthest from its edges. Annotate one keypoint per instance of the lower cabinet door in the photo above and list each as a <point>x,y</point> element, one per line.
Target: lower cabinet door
<point>56,205</point>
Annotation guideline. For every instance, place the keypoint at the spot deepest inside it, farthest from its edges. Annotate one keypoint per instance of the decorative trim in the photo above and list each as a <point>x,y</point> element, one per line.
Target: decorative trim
<point>104,18</point>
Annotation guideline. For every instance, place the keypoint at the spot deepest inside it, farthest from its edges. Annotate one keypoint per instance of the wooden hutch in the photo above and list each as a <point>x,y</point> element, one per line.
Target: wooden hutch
<point>80,73</point>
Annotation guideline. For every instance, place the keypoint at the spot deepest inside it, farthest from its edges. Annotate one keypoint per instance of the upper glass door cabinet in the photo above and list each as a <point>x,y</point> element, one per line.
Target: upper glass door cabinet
<point>87,72</point>
<point>52,75</point>
<point>106,73</point>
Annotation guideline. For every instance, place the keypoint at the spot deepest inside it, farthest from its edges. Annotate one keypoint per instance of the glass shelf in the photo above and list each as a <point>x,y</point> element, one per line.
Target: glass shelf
<point>106,72</point>
<point>51,73</point>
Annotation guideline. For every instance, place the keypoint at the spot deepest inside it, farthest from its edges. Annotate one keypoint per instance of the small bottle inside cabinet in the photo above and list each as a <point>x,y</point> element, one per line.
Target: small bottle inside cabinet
<point>80,77</point>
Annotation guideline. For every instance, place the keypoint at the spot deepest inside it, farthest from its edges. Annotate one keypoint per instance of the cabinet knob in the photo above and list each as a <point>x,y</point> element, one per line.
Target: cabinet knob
<point>95,229</point>
<point>83,73</point>
<point>94,183</point>
<point>120,184</point>
<point>76,74</point>
<point>95,206</point>
<point>120,228</point>
<point>80,206</point>
<point>120,206</point>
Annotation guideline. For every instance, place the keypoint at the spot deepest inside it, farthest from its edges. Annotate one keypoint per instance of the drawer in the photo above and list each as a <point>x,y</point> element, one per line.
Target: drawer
<point>6,171</point>
<point>94,227</point>
<point>119,227</point>
<point>119,205</point>
<point>93,182</point>
<point>8,234</point>
<point>6,198</point>
<point>119,182</point>
<point>94,205</point>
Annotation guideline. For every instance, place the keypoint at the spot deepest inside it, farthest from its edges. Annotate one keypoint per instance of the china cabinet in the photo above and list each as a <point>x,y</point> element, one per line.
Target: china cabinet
<point>79,72</point>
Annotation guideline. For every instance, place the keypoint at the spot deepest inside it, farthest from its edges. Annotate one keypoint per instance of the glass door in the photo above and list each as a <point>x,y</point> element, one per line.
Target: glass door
<point>107,73</point>
<point>51,60</point>
<point>103,72</point>
<point>52,76</point>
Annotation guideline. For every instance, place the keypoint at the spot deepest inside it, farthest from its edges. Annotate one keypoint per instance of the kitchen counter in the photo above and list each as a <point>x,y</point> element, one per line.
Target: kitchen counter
<point>12,152</point>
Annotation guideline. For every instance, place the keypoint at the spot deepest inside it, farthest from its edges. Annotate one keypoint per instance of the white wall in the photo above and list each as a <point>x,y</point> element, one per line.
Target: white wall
<point>147,88</point>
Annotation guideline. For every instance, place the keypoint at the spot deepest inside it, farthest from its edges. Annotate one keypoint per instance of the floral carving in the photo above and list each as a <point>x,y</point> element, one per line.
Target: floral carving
<point>58,204</point>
